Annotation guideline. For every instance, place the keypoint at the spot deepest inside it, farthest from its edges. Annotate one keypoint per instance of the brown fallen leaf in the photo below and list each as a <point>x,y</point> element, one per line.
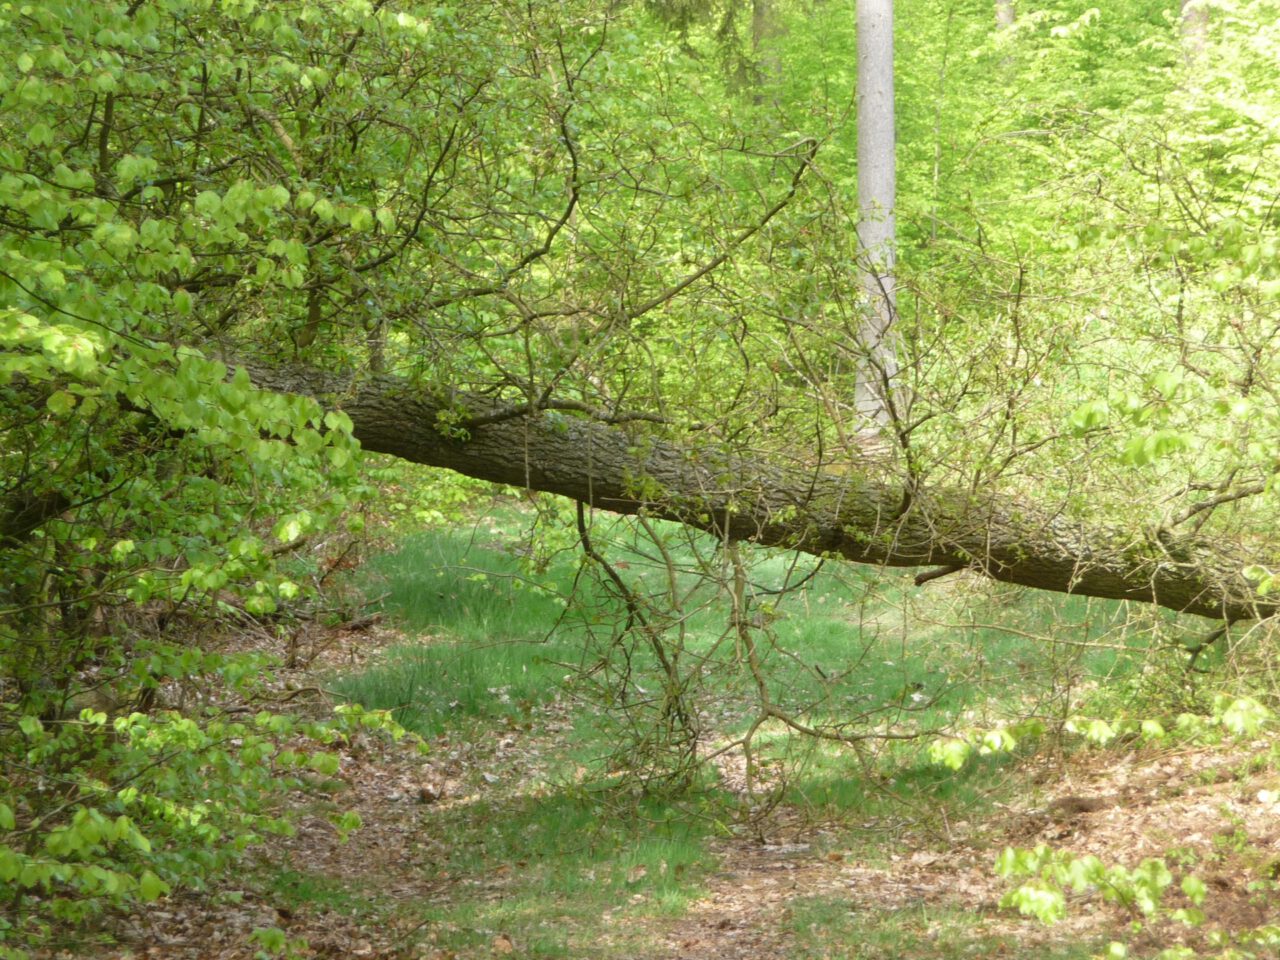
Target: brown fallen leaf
<point>503,944</point>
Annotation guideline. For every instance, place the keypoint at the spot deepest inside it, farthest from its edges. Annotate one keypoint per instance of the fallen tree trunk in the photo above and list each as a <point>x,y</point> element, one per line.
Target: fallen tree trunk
<point>860,518</point>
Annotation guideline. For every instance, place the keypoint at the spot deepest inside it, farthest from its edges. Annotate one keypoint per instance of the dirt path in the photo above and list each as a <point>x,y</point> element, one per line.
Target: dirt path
<point>1214,806</point>
<point>746,912</point>
<point>743,916</point>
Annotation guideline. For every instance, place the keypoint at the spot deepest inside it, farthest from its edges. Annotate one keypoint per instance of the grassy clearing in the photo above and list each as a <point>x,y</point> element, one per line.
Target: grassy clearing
<point>543,870</point>
<point>292,889</point>
<point>497,651</point>
<point>848,643</point>
<point>544,863</point>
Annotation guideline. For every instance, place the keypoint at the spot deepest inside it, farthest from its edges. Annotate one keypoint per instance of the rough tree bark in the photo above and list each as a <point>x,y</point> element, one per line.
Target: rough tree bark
<point>863,518</point>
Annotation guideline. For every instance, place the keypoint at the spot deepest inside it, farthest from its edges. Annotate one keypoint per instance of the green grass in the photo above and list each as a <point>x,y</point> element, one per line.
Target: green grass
<point>430,689</point>
<point>903,784</point>
<point>543,870</point>
<point>494,651</point>
<point>539,868</point>
<point>850,642</point>
<point>293,889</point>
<point>852,646</point>
<point>848,928</point>
<point>467,585</point>
<point>569,867</point>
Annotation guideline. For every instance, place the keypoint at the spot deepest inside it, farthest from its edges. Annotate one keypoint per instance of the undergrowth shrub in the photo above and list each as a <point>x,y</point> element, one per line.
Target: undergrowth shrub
<point>101,812</point>
<point>178,506</point>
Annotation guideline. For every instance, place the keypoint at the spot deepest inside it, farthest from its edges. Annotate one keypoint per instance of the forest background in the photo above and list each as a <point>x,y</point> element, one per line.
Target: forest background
<point>606,251</point>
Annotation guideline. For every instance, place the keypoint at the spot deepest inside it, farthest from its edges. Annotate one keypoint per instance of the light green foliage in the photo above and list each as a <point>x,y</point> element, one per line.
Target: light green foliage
<point>564,205</point>
<point>1084,240</point>
<point>420,497</point>
<point>1234,715</point>
<point>954,750</point>
<point>145,803</point>
<point>1054,873</point>
<point>274,942</point>
<point>136,471</point>
<point>1050,877</point>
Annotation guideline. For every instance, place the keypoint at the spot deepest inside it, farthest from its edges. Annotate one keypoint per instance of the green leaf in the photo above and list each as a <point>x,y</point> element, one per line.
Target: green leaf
<point>1089,416</point>
<point>61,402</point>
<point>208,203</point>
<point>950,752</point>
<point>348,822</point>
<point>10,864</point>
<point>361,220</point>
<point>151,887</point>
<point>296,252</point>
<point>30,725</point>
<point>999,740</point>
<point>1194,888</point>
<point>292,527</point>
<point>325,763</point>
<point>1099,732</point>
<point>1136,453</point>
<point>40,135</point>
<point>7,821</point>
<point>337,420</point>
<point>271,939</point>
<point>1243,716</point>
<point>1167,382</point>
<point>324,210</point>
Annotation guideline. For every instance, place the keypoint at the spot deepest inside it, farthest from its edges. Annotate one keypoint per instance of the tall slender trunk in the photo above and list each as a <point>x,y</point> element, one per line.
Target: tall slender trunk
<point>1195,29</point>
<point>939,108</point>
<point>877,175</point>
<point>1005,14</point>
<point>765,56</point>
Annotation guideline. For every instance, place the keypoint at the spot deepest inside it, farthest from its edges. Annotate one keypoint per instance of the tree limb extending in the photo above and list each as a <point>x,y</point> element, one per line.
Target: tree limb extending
<point>856,517</point>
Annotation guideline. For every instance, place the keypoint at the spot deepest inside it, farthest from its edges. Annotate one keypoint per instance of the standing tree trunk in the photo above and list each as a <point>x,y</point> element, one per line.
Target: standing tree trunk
<point>1005,15</point>
<point>1195,29</point>
<point>766,67</point>
<point>763,28</point>
<point>876,198</point>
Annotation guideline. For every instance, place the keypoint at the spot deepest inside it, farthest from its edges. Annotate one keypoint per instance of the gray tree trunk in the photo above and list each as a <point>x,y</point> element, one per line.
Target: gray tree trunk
<point>1005,14</point>
<point>864,518</point>
<point>877,186</point>
<point>1195,29</point>
<point>764,29</point>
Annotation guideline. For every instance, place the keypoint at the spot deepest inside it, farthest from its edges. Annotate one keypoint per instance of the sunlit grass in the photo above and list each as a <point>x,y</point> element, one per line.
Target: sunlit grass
<point>502,634</point>
<point>848,646</point>
<point>853,928</point>
<point>543,870</point>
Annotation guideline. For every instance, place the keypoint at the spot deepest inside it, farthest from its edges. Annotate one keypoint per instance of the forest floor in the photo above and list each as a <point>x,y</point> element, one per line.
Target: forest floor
<point>797,886</point>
